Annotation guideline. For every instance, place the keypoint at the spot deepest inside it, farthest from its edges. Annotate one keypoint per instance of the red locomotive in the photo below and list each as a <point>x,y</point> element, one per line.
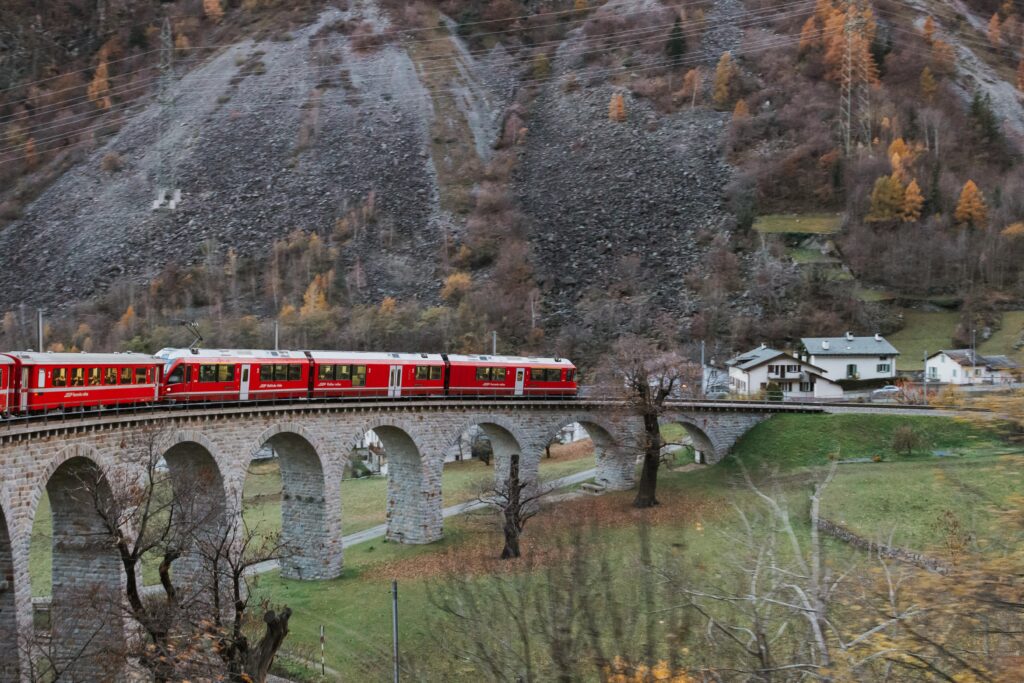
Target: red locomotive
<point>33,382</point>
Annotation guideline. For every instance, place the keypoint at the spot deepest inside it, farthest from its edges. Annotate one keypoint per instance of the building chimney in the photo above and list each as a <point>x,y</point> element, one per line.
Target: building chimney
<point>824,344</point>
<point>849,336</point>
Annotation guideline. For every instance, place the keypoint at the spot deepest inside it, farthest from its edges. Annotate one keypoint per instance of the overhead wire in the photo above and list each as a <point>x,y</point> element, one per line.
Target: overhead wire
<point>776,42</point>
<point>512,61</point>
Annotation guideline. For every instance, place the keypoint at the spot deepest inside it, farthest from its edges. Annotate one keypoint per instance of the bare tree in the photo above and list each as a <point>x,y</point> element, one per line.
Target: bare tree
<point>516,502</point>
<point>646,376</point>
<point>146,515</point>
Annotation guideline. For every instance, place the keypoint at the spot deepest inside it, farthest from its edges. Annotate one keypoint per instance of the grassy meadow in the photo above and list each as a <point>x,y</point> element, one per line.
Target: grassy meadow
<point>903,498</point>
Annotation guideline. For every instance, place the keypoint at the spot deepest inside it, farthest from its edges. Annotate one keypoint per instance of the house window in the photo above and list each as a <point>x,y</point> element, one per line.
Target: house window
<point>933,373</point>
<point>977,372</point>
<point>792,368</point>
<point>806,387</point>
<point>851,371</point>
<point>882,367</point>
<point>954,373</point>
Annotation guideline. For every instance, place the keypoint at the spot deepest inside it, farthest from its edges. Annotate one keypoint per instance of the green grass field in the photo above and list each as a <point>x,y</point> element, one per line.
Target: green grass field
<point>922,331</point>
<point>808,223</point>
<point>809,256</point>
<point>1002,341</point>
<point>905,494</point>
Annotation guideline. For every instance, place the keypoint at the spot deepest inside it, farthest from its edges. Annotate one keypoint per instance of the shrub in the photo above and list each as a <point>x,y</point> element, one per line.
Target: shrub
<point>112,162</point>
<point>905,440</point>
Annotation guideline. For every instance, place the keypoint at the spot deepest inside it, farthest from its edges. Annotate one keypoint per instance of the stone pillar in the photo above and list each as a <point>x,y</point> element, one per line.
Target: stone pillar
<point>616,466</point>
<point>9,664</point>
<point>310,519</point>
<point>86,619</point>
<point>414,488</point>
<point>200,504</point>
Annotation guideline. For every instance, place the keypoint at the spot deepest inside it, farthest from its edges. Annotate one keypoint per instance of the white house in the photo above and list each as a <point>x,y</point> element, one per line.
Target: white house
<point>964,366</point>
<point>850,357</point>
<point>752,372</point>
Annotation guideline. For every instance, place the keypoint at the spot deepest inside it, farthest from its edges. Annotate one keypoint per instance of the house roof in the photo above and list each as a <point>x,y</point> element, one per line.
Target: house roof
<point>849,346</point>
<point>969,358</point>
<point>764,354</point>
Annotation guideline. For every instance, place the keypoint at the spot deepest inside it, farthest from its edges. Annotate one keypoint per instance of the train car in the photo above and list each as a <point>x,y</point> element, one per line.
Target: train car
<point>340,374</point>
<point>8,401</point>
<point>510,376</point>
<point>207,375</point>
<point>74,381</point>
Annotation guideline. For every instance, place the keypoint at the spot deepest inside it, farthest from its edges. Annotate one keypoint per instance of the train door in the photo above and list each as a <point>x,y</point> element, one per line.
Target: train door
<point>243,390</point>
<point>395,382</point>
<point>24,389</point>
<point>520,380</point>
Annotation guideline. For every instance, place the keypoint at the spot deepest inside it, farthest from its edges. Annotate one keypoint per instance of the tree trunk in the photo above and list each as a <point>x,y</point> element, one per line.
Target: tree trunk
<point>513,504</point>
<point>262,656</point>
<point>646,491</point>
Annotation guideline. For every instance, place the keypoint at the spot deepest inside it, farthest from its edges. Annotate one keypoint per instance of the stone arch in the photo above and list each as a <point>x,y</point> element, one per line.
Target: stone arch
<point>614,458</point>
<point>86,617</point>
<point>700,432</point>
<point>506,438</point>
<point>200,502</point>
<point>310,502</point>
<point>9,649</point>
<point>413,479</point>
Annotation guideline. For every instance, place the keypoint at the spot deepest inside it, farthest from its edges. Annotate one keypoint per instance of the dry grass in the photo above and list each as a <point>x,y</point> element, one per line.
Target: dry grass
<point>477,552</point>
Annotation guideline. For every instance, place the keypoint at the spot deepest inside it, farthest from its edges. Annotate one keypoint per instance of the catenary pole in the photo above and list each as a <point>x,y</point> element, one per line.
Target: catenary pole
<point>394,625</point>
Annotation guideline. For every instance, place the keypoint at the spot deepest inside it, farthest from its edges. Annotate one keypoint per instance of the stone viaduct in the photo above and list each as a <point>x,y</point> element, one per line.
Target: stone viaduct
<point>313,442</point>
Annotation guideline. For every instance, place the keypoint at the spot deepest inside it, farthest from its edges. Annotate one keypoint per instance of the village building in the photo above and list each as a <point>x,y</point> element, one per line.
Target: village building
<point>852,358</point>
<point>965,366</point>
<point>764,369</point>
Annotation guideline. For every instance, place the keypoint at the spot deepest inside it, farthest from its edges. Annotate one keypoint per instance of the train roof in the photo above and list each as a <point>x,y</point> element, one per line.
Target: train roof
<point>48,358</point>
<point>510,360</point>
<point>377,356</point>
<point>224,354</point>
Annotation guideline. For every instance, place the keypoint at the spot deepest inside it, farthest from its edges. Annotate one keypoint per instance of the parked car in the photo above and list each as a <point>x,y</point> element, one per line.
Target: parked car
<point>889,392</point>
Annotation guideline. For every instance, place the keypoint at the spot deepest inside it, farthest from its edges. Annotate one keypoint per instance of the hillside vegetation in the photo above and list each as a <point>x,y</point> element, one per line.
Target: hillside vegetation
<point>416,175</point>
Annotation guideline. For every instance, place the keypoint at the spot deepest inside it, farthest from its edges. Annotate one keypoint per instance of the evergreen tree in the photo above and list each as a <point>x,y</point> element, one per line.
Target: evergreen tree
<point>675,48</point>
<point>986,125</point>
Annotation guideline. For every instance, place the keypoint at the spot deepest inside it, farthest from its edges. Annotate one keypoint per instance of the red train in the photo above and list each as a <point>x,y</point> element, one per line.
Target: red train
<point>33,382</point>
<point>209,375</point>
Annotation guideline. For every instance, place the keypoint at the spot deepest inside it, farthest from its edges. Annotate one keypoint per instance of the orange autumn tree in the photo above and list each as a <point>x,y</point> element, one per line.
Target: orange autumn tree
<point>913,203</point>
<point>692,82</point>
<point>929,29</point>
<point>99,87</point>
<point>928,84</point>
<point>742,111</point>
<point>887,199</point>
<point>810,34</point>
<point>724,73</point>
<point>995,31</point>
<point>838,41</point>
<point>213,11</point>
<point>617,108</point>
<point>971,210</point>
<point>1020,76</point>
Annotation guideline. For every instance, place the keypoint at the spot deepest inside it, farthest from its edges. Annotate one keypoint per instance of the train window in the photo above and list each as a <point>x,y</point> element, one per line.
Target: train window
<point>225,373</point>
<point>177,376</point>
<point>483,374</point>
<point>207,373</point>
<point>189,373</point>
<point>343,372</point>
<point>126,375</point>
<point>94,377</point>
<point>359,375</point>
<point>60,377</point>
<point>435,372</point>
<point>280,373</point>
<point>569,374</point>
<point>140,375</point>
<point>110,376</point>
<point>498,374</point>
<point>422,372</point>
<point>325,372</point>
<point>294,372</point>
<point>77,377</point>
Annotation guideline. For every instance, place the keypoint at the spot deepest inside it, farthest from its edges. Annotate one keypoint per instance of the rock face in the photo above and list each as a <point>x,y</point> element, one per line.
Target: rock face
<point>267,138</point>
<point>616,201</point>
<point>278,135</point>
